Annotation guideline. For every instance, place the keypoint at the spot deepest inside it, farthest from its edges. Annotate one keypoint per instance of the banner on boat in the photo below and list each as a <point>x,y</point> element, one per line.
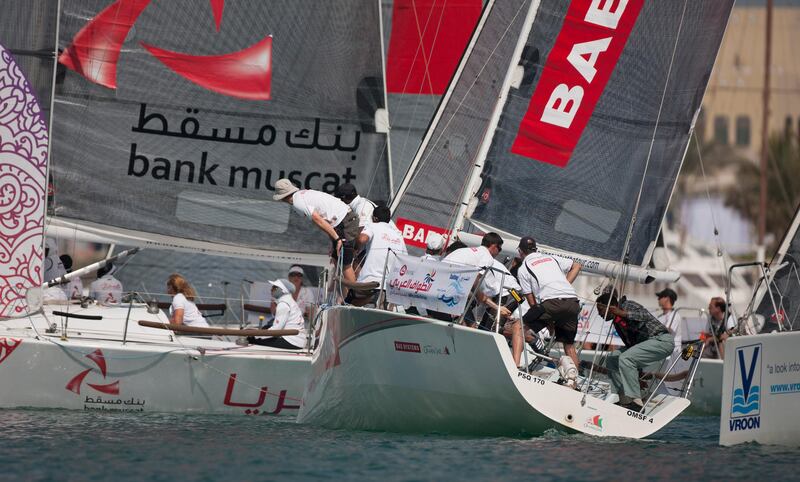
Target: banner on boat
<point>592,328</point>
<point>441,287</point>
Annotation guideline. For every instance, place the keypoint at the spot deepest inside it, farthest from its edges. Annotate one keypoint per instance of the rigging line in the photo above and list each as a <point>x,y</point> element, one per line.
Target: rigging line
<point>424,160</point>
<point>717,237</point>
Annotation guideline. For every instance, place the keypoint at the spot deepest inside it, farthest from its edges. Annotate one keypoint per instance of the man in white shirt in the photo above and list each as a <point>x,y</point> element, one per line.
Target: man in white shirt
<point>287,317</point>
<point>106,290</point>
<point>480,257</point>
<point>670,318</point>
<point>304,296</point>
<point>433,247</point>
<point>329,214</point>
<point>546,283</point>
<point>361,206</point>
<point>379,237</point>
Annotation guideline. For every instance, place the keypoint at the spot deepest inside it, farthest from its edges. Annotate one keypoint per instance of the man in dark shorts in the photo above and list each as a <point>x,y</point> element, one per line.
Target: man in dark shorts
<point>329,214</point>
<point>546,284</point>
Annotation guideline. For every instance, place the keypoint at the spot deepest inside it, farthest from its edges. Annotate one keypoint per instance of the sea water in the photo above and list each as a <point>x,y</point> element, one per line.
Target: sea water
<point>92,446</point>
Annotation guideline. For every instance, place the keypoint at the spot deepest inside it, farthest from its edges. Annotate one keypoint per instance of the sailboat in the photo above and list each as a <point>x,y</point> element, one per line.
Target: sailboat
<point>169,126</point>
<point>759,379</point>
<point>567,121</point>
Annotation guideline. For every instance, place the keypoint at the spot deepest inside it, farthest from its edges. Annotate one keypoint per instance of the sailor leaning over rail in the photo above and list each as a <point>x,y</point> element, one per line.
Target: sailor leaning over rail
<point>331,215</point>
<point>646,341</point>
<point>480,257</point>
<point>546,282</point>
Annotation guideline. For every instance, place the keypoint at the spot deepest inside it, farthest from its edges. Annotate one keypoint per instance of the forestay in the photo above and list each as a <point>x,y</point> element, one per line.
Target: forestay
<point>431,285</point>
<point>174,120</point>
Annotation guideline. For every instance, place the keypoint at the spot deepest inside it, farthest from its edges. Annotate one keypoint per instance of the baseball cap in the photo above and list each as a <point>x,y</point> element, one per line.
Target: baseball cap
<point>527,243</point>
<point>346,190</point>
<point>669,293</point>
<point>435,241</point>
<point>296,269</point>
<point>284,285</point>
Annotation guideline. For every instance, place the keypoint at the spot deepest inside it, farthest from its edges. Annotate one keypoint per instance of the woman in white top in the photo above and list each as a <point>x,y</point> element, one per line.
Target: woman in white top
<point>287,317</point>
<point>183,310</point>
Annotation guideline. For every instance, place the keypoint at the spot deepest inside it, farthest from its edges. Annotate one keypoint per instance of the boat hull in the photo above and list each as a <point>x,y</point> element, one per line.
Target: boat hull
<point>376,370</point>
<point>153,371</point>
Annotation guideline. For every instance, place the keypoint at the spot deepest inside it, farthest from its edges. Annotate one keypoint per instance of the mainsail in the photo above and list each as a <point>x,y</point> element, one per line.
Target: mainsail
<point>597,101</point>
<point>173,120</point>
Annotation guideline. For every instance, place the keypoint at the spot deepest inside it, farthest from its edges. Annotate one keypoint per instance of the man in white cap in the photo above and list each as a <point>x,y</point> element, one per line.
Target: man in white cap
<point>287,317</point>
<point>303,295</point>
<point>433,247</point>
<point>330,215</point>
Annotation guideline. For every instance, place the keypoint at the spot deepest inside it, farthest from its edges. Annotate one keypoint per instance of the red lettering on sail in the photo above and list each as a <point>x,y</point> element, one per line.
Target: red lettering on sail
<point>416,233</point>
<point>573,78</point>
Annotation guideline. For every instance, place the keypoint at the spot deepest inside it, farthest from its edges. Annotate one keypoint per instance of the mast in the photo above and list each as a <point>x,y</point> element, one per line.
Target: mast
<point>477,168</point>
<point>762,205</point>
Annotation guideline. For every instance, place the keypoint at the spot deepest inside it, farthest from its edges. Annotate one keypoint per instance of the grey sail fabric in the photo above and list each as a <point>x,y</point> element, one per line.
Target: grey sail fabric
<point>435,185</point>
<point>30,35</point>
<point>209,109</point>
<point>785,287</point>
<point>586,207</point>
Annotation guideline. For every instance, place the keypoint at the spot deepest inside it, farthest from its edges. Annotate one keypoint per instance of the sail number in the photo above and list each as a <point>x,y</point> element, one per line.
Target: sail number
<point>639,416</point>
<point>531,378</point>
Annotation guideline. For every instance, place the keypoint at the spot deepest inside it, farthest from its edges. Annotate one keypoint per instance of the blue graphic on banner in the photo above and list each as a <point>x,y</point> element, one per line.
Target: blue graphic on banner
<point>747,382</point>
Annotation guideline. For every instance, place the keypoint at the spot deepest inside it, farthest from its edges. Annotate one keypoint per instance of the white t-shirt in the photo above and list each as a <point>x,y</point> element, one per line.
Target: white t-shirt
<point>674,323</point>
<point>547,281</point>
<point>191,315</point>
<point>490,285</point>
<point>309,201</point>
<point>382,237</point>
<point>306,299</point>
<point>479,257</point>
<point>363,208</point>
<point>289,317</point>
<point>75,288</point>
<point>106,290</point>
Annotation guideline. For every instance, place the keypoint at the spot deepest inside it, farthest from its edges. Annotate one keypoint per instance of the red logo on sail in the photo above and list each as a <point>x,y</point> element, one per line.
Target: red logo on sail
<point>95,50</point>
<point>8,345</point>
<point>577,70</point>
<point>416,233</point>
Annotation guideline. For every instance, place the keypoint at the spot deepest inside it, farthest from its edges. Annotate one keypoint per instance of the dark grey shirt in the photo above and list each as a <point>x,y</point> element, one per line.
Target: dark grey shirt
<point>639,324</point>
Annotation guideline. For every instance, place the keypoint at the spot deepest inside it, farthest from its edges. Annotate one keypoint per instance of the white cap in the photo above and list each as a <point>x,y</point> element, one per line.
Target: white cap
<point>284,285</point>
<point>296,269</point>
<point>435,241</point>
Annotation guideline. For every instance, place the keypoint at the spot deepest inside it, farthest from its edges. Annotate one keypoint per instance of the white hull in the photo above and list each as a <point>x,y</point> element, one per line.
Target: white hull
<point>154,371</point>
<point>377,370</point>
<point>761,390</point>
<point>706,390</point>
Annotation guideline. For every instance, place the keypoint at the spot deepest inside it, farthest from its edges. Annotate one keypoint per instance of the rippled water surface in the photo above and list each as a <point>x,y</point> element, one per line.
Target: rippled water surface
<point>66,445</point>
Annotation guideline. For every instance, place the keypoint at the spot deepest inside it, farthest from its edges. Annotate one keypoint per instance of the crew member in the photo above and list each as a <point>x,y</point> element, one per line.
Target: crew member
<point>481,257</point>
<point>720,330</point>
<point>74,286</point>
<point>360,205</point>
<point>330,215</point>
<point>106,290</point>
<point>669,317</point>
<point>646,341</point>
<point>303,295</point>
<point>433,247</point>
<point>546,286</point>
<point>379,237</point>
<point>287,317</point>
<point>183,311</point>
